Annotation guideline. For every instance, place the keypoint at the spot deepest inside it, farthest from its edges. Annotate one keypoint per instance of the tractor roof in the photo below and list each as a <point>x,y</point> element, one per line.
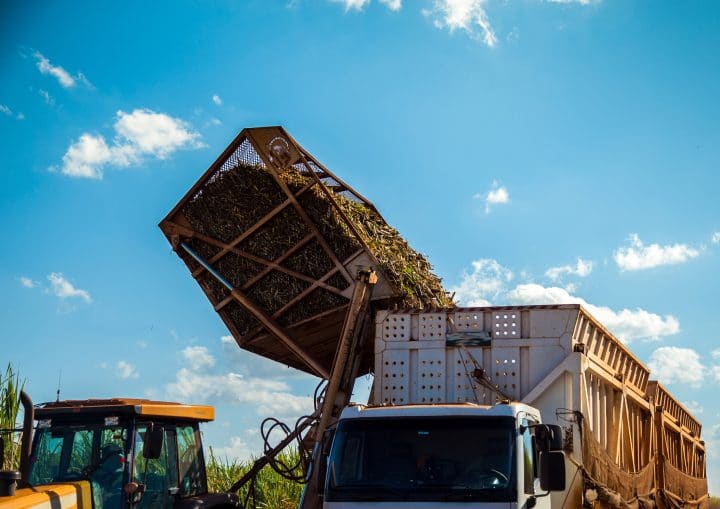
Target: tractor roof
<point>125,406</point>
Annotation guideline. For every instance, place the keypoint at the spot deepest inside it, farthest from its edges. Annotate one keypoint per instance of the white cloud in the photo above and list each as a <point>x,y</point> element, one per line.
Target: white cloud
<point>27,282</point>
<point>126,370</point>
<point>715,353</point>
<point>715,238</point>
<point>236,450</point>
<point>139,134</point>
<point>7,111</point>
<point>497,195</point>
<point>393,5</point>
<point>693,407</point>
<point>198,357</point>
<point>627,324</point>
<point>467,15</point>
<point>638,256</point>
<point>147,132</point>
<point>47,97</point>
<point>672,364</point>
<point>64,289</point>
<point>65,79</point>
<point>86,157</point>
<point>237,359</point>
<point>216,99</point>
<point>356,5</point>
<point>268,396</point>
<point>483,285</point>
<point>582,268</point>
<point>715,372</point>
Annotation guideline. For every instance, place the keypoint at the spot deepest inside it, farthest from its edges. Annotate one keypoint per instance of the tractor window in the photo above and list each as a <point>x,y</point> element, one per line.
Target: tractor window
<point>81,454</point>
<point>192,480</point>
<point>46,458</point>
<point>158,475</point>
<point>73,452</point>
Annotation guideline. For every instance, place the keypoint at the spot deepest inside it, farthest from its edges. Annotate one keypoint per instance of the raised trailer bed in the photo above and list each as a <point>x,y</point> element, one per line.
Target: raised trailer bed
<point>276,241</point>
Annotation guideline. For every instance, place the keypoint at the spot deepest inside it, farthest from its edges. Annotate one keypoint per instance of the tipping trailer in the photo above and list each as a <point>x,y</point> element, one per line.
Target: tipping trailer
<point>300,266</point>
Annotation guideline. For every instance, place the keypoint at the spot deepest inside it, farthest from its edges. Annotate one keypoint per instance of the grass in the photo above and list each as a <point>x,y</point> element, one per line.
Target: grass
<point>10,387</point>
<point>272,491</point>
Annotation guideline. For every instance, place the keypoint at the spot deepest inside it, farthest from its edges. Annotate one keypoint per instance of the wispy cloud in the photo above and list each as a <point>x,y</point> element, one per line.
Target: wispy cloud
<point>139,134</point>
<point>484,283</point>
<point>694,407</point>
<point>582,268</point>
<point>715,238</point>
<point>672,364</point>
<point>269,395</point>
<point>61,287</point>
<point>8,112</point>
<point>124,369</point>
<point>27,282</point>
<point>198,357</point>
<point>487,284</point>
<point>358,5</point>
<point>49,100</point>
<point>393,5</point>
<point>64,78</point>
<point>638,256</point>
<point>216,99</point>
<point>465,15</point>
<point>497,195</point>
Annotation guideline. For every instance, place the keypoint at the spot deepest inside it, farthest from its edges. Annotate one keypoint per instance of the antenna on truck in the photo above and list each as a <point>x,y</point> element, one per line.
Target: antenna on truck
<point>57,400</point>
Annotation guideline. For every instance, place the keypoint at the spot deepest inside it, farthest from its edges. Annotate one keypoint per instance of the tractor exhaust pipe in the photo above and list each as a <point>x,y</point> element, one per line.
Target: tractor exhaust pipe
<point>26,444</point>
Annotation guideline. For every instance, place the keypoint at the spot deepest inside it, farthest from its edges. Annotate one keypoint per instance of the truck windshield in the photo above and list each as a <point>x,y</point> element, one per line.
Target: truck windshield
<point>71,453</point>
<point>423,459</point>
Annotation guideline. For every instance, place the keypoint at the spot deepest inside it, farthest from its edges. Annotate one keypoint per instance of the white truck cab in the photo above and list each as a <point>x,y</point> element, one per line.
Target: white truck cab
<point>454,455</point>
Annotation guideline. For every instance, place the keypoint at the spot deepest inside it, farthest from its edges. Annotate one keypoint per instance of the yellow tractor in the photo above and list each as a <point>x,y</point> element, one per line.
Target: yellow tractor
<point>111,454</point>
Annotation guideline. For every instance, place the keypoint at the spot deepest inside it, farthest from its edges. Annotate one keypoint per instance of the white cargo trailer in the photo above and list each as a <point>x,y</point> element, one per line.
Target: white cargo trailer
<point>627,441</point>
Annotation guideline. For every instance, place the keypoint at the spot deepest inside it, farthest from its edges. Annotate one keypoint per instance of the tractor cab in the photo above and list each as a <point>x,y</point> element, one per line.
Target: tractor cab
<point>132,453</point>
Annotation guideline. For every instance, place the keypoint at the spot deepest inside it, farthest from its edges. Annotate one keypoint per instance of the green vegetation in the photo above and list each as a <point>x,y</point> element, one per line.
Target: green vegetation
<point>10,387</point>
<point>272,491</point>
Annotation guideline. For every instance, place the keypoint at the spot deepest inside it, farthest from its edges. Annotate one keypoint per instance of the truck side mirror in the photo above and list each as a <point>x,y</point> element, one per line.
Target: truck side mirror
<point>153,441</point>
<point>322,459</point>
<point>552,470</point>
<point>548,437</point>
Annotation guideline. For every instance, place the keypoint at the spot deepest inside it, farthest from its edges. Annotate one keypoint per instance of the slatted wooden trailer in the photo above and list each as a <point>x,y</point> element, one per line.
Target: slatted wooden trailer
<point>628,442</point>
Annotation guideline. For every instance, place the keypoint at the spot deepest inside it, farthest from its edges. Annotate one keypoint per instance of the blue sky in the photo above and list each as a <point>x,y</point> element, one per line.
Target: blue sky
<point>536,151</point>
